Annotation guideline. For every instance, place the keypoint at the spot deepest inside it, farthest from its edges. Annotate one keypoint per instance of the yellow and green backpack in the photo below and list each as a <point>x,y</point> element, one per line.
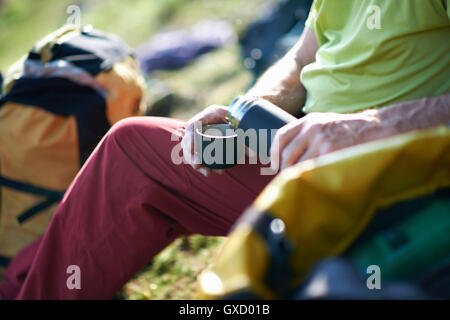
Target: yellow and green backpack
<point>383,203</point>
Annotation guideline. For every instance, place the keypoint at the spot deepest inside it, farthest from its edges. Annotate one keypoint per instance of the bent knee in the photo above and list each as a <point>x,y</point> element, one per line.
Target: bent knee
<point>147,127</point>
<point>122,128</point>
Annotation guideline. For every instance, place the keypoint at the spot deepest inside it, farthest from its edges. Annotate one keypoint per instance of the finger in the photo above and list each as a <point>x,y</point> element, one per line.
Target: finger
<point>214,114</point>
<point>180,131</point>
<point>294,150</point>
<point>186,146</point>
<point>281,139</point>
<point>219,171</point>
<point>313,151</point>
<point>289,131</point>
<point>189,155</point>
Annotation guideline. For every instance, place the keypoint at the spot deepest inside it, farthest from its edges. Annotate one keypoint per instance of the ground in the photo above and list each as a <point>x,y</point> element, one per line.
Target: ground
<point>215,78</point>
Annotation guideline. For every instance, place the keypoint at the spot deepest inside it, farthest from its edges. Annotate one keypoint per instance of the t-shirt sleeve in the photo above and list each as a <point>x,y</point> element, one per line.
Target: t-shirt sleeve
<point>311,20</point>
<point>448,8</point>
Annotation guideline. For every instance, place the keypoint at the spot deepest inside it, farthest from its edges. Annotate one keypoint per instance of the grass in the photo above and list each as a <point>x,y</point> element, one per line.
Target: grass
<point>215,78</point>
<point>172,273</point>
<point>23,22</point>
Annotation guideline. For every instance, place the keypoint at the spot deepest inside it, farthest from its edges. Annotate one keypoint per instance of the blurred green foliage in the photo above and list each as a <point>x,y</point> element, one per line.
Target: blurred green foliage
<point>22,22</point>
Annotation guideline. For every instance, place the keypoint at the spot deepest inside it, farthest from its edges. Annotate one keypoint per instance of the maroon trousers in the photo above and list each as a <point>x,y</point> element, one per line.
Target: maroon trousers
<point>126,204</point>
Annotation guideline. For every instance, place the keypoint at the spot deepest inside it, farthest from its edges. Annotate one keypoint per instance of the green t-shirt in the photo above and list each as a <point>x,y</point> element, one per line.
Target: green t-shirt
<point>374,53</point>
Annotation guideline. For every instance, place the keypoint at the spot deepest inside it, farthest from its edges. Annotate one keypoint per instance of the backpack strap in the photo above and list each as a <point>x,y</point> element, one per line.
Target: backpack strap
<point>4,261</point>
<point>51,196</point>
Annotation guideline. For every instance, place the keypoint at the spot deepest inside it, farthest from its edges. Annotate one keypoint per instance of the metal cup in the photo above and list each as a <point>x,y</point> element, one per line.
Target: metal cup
<point>217,146</point>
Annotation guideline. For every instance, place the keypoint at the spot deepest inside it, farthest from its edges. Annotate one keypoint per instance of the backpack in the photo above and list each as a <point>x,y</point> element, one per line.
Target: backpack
<point>57,103</point>
<point>384,203</point>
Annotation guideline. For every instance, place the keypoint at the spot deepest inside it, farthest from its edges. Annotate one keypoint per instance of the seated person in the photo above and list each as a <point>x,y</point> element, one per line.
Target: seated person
<point>361,72</point>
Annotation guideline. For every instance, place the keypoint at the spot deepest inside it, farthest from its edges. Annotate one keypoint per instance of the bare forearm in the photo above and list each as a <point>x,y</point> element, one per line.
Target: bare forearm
<point>409,116</point>
<point>280,84</point>
<point>318,133</point>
